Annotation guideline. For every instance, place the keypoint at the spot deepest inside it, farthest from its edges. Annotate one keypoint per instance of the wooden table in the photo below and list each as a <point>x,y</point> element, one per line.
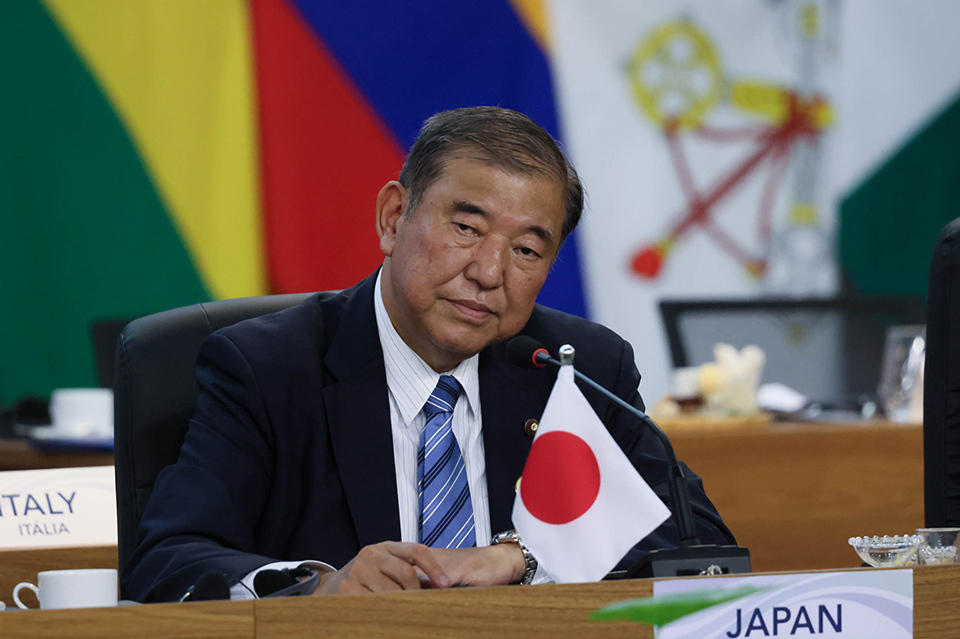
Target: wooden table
<point>507,611</point>
<point>18,454</point>
<point>794,493</point>
<point>214,619</point>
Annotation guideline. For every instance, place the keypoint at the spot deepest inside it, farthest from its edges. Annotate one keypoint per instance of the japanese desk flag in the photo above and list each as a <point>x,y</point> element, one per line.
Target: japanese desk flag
<point>582,505</point>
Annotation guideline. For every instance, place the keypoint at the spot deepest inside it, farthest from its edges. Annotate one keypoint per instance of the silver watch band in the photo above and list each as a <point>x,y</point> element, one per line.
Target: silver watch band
<point>530,562</point>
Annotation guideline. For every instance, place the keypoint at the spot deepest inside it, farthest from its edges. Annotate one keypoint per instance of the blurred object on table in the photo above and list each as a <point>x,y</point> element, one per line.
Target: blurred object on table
<point>81,422</point>
<point>686,391</point>
<point>81,413</point>
<point>938,546</point>
<point>76,421</point>
<point>23,416</point>
<point>786,404</point>
<point>828,349</point>
<point>729,383</point>
<point>781,398</point>
<point>725,387</point>
<point>886,551</point>
<point>901,378</point>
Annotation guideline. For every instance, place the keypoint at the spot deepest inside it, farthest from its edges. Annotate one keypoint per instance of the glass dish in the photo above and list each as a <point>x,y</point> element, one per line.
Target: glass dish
<point>886,551</point>
<point>938,546</point>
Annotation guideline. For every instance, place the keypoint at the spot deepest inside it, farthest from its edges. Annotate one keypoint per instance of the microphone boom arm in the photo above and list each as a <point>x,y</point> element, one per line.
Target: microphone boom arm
<point>677,481</point>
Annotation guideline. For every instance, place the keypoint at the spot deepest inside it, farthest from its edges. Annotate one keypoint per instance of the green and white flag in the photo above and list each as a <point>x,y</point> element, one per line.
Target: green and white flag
<point>743,148</point>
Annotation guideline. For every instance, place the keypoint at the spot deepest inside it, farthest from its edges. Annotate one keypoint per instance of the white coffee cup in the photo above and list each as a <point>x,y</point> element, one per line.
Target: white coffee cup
<point>82,412</point>
<point>88,588</point>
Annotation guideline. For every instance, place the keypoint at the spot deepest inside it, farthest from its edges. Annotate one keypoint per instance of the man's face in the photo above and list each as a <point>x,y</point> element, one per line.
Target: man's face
<point>463,270</point>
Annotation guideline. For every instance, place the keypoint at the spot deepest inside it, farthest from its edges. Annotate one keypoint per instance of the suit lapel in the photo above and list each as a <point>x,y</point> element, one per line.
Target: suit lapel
<point>358,415</point>
<point>509,396</point>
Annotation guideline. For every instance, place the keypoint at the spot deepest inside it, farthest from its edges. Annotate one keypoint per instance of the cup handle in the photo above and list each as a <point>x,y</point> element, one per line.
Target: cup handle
<point>20,586</point>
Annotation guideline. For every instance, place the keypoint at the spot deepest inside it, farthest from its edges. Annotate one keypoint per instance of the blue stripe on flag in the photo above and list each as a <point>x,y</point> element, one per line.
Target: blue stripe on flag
<point>415,58</point>
<point>412,59</point>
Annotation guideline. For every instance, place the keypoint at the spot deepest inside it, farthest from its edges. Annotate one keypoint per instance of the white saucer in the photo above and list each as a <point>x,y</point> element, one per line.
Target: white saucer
<point>44,433</point>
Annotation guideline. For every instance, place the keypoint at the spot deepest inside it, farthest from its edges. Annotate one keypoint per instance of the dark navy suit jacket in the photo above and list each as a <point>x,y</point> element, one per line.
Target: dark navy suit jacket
<point>289,455</point>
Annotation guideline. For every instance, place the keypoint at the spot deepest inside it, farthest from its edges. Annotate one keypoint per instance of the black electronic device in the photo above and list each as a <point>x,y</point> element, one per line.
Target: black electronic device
<point>211,586</point>
<point>290,582</point>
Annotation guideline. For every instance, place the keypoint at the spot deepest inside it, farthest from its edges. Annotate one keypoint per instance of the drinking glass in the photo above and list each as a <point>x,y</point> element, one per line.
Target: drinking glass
<point>938,546</point>
<point>901,377</point>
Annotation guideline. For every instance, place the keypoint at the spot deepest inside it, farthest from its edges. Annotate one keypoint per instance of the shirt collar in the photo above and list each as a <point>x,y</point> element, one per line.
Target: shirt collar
<point>409,378</point>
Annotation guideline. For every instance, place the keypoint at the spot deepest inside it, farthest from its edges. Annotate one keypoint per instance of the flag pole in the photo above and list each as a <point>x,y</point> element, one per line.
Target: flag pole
<point>679,493</point>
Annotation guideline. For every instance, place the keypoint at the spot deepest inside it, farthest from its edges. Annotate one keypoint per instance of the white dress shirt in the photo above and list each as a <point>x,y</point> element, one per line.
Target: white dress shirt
<point>410,382</point>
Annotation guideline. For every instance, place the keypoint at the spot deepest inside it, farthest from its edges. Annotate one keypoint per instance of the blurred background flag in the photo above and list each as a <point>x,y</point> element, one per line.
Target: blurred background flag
<point>898,142</point>
<point>164,152</point>
<point>755,148</point>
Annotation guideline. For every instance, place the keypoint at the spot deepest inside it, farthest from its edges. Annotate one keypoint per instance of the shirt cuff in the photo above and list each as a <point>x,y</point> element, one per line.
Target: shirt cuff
<point>243,589</point>
<point>541,576</point>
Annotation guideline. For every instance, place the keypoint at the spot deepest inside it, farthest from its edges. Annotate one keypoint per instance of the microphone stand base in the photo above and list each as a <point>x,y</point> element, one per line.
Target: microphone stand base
<point>690,561</point>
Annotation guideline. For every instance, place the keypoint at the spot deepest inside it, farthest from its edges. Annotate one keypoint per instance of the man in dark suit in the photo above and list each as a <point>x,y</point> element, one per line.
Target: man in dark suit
<point>314,440</point>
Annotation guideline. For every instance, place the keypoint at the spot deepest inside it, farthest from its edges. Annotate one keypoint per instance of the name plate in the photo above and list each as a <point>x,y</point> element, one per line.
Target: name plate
<point>58,507</point>
<point>862,604</point>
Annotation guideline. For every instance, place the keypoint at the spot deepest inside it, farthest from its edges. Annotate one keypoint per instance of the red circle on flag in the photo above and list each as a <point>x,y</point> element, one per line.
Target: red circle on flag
<point>561,479</point>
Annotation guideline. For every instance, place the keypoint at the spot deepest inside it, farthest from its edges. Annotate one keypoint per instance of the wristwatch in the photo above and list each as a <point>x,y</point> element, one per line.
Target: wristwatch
<point>511,537</point>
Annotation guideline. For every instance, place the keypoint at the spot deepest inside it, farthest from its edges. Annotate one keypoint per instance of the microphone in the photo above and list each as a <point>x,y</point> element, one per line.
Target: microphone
<point>526,352</point>
<point>691,558</point>
<point>212,586</point>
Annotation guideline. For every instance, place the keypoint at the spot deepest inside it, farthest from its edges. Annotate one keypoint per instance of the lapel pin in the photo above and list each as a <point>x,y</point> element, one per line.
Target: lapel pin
<point>530,427</point>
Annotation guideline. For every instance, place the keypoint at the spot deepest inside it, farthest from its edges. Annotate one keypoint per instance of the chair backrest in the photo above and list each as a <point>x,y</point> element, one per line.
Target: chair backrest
<point>941,390</point>
<point>155,391</point>
<point>104,335</point>
<point>829,349</point>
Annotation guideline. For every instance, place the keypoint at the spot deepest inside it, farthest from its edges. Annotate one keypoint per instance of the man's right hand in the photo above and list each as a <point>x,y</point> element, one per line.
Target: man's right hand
<point>384,567</point>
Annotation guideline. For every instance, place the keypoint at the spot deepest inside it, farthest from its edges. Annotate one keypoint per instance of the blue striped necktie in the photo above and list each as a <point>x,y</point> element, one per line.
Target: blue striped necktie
<point>446,512</point>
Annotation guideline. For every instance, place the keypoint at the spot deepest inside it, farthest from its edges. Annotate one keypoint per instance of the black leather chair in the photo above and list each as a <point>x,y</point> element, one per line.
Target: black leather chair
<point>941,391</point>
<point>155,390</point>
<point>104,335</point>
